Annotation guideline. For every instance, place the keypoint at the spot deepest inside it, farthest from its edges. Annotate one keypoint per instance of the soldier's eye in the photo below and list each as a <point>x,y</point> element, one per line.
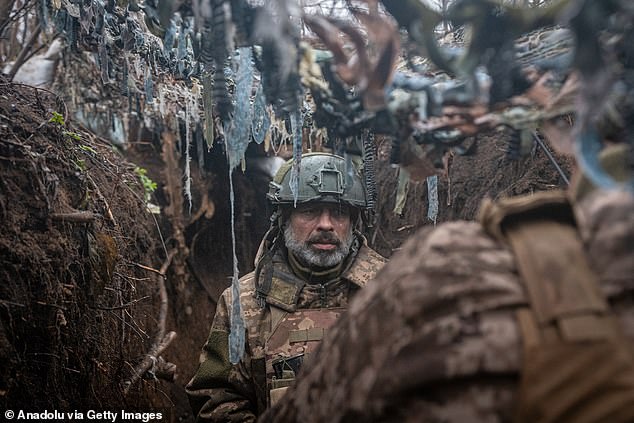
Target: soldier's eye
<point>339,212</point>
<point>310,212</point>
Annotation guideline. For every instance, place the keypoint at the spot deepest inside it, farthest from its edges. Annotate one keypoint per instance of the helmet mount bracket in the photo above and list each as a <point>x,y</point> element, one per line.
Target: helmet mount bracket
<point>329,181</point>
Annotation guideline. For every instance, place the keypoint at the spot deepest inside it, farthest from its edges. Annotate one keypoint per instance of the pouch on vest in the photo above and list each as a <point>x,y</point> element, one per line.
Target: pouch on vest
<point>285,368</point>
<point>293,337</point>
<point>578,366</point>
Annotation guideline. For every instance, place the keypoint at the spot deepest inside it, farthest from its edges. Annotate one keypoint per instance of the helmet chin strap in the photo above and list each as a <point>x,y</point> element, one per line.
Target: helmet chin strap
<point>276,217</point>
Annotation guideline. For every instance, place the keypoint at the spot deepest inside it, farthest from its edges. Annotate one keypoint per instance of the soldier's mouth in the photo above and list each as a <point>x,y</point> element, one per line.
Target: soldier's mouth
<point>324,246</point>
<point>324,243</point>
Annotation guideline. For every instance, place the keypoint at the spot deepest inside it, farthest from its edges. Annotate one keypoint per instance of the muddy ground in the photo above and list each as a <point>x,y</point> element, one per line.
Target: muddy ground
<point>80,293</point>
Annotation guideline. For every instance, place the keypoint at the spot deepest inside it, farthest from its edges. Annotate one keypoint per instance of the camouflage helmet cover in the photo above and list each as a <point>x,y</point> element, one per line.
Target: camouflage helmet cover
<point>322,178</point>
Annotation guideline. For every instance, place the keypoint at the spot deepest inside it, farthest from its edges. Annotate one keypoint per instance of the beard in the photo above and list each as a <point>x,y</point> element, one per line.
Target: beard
<point>312,257</point>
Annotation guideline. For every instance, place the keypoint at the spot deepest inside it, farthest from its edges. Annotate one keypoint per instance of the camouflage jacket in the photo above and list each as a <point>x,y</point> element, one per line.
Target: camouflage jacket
<point>220,391</point>
<point>435,338</point>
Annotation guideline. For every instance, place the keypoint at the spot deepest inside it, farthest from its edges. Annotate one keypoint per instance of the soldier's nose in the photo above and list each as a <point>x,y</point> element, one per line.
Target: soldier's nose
<point>325,221</point>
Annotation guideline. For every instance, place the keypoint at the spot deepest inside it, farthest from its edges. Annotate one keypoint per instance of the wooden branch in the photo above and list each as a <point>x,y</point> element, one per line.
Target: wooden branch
<point>162,340</point>
<point>5,10</point>
<point>24,52</point>
<point>149,361</point>
<point>76,217</point>
<point>149,269</point>
<point>119,307</point>
<point>102,198</point>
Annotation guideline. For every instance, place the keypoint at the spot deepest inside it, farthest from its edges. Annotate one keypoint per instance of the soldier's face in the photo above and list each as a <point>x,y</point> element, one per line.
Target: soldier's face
<point>319,234</point>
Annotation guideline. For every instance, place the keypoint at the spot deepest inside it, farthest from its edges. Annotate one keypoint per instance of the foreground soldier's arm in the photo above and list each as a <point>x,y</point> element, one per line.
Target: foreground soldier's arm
<point>220,391</point>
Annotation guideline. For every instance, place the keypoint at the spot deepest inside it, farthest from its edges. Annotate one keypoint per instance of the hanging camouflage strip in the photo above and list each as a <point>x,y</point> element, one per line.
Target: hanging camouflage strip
<point>237,141</point>
<point>239,132</point>
<point>432,198</point>
<point>236,333</point>
<point>200,147</point>
<point>222,46</point>
<point>261,119</point>
<point>148,84</point>
<point>125,88</point>
<point>171,34</point>
<point>349,170</point>
<point>102,51</point>
<point>182,53</point>
<point>42,12</point>
<point>188,141</point>
<point>296,129</point>
<point>208,107</point>
<point>588,147</point>
<point>401,190</point>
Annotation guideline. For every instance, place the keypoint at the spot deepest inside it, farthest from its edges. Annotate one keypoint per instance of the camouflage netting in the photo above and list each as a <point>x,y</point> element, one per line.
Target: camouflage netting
<point>79,303</point>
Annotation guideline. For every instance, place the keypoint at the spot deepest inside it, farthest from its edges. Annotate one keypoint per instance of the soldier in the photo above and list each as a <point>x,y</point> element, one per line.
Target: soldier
<point>310,263</point>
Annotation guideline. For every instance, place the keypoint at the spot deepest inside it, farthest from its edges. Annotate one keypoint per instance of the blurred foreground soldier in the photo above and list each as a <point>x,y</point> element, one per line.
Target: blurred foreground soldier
<point>310,263</point>
<point>526,316</point>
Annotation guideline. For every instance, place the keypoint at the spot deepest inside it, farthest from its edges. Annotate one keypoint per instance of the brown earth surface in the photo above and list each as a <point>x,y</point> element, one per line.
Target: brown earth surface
<point>79,304</point>
<point>489,172</point>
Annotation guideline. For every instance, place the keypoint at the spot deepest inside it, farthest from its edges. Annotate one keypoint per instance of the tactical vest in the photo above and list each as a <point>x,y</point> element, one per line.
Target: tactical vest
<point>294,332</point>
<point>578,365</point>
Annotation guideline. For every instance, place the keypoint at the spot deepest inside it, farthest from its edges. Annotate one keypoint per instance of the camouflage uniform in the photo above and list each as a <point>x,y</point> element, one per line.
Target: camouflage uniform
<point>435,337</point>
<point>291,322</point>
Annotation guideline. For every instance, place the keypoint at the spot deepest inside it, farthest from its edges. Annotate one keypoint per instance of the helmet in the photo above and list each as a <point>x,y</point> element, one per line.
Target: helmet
<point>323,178</point>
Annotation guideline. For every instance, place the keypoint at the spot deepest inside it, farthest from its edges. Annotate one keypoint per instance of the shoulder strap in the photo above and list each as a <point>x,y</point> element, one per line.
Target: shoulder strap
<point>562,288</point>
<point>277,314</point>
<point>578,365</point>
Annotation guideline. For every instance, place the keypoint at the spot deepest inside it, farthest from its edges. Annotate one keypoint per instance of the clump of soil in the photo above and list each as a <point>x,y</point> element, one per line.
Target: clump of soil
<point>79,302</point>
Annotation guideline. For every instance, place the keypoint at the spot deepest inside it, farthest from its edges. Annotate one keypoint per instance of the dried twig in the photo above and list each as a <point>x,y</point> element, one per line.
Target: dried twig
<point>126,305</point>
<point>149,269</point>
<point>11,303</point>
<point>76,217</point>
<point>162,340</point>
<point>102,198</point>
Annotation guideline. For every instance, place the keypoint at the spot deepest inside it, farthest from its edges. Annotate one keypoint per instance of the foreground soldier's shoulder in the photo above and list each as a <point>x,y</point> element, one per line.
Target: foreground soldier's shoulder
<point>459,234</point>
<point>448,264</point>
<point>455,236</point>
<point>451,247</point>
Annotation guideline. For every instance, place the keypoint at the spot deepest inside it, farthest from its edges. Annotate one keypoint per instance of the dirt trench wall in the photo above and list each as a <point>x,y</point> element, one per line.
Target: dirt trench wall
<point>489,172</point>
<point>79,302</point>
